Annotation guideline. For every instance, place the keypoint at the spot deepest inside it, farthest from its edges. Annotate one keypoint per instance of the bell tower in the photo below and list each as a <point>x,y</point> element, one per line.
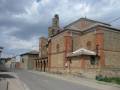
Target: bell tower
<point>54,29</point>
<point>55,21</point>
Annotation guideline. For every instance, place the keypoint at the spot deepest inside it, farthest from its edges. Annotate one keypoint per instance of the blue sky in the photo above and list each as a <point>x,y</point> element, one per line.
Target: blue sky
<point>22,22</point>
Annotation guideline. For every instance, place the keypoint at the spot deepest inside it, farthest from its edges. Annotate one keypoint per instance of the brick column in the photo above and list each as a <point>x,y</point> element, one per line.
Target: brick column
<point>67,45</point>
<point>35,64</point>
<point>82,62</point>
<point>39,65</point>
<point>100,43</point>
<point>49,55</point>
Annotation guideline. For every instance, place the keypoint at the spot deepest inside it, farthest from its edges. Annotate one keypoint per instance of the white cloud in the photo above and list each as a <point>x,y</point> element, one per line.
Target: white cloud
<point>41,13</point>
<point>45,2</point>
<point>14,43</point>
<point>6,31</point>
<point>43,10</point>
<point>31,15</point>
<point>17,44</point>
<point>104,7</point>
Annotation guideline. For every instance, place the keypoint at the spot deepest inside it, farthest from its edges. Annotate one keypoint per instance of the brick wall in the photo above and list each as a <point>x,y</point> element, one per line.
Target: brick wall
<point>42,47</point>
<point>108,48</point>
<point>57,56</point>
<point>112,48</point>
<point>80,41</point>
<point>100,42</point>
<point>82,24</point>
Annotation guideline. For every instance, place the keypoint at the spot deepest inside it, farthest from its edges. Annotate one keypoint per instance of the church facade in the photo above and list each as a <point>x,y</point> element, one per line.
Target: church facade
<point>84,47</point>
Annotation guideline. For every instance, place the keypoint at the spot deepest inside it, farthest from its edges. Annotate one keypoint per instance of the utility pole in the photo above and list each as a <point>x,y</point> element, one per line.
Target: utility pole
<point>1,48</point>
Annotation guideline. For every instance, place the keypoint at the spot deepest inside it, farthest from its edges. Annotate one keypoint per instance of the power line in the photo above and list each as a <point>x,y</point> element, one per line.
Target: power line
<point>114,20</point>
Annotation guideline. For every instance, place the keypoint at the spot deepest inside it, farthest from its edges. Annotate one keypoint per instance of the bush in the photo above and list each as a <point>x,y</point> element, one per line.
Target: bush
<point>99,78</point>
<point>116,80</point>
<point>108,79</point>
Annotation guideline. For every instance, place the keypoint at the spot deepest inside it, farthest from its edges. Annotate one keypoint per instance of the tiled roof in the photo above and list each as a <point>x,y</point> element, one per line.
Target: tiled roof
<point>34,52</point>
<point>81,51</point>
<point>94,21</point>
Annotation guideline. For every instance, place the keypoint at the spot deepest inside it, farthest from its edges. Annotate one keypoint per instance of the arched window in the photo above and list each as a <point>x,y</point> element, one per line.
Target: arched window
<point>89,45</point>
<point>53,31</point>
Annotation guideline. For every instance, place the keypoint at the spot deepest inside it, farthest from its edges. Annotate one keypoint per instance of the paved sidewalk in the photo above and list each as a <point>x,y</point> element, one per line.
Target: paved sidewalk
<point>83,81</point>
<point>14,83</point>
<point>3,84</point>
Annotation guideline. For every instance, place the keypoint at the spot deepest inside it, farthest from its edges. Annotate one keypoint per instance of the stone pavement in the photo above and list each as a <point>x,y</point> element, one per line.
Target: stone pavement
<point>3,84</point>
<point>83,81</point>
<point>43,82</point>
<point>13,83</point>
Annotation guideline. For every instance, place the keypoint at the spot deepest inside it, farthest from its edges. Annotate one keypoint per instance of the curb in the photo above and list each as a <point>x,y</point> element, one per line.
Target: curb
<point>86,82</point>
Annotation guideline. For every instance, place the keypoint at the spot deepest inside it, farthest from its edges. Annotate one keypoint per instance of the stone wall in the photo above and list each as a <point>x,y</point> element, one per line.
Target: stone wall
<point>80,41</point>
<point>27,61</point>
<point>82,66</point>
<point>82,24</point>
<point>57,61</point>
<point>31,59</point>
<point>42,47</point>
<point>108,43</point>
<point>59,39</point>
<point>57,52</point>
<point>76,66</point>
<point>24,62</point>
<point>110,72</point>
<point>112,48</point>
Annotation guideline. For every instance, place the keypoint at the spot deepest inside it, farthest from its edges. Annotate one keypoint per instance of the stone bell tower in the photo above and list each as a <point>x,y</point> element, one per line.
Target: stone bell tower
<point>54,29</point>
<point>55,21</point>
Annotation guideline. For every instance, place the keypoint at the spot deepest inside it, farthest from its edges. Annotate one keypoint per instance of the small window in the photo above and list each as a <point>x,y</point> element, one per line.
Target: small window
<point>53,31</point>
<point>89,45</point>
<point>57,48</point>
<point>94,60</point>
<point>22,60</point>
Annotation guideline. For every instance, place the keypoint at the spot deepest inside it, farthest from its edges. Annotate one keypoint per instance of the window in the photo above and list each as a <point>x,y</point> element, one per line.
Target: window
<point>89,44</point>
<point>22,60</point>
<point>93,60</point>
<point>53,31</point>
<point>57,48</point>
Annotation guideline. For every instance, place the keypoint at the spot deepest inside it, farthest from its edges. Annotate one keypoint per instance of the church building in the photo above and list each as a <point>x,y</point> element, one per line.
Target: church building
<point>84,47</point>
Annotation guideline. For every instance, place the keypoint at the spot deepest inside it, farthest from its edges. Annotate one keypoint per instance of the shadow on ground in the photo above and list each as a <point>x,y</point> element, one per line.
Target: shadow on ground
<point>6,76</point>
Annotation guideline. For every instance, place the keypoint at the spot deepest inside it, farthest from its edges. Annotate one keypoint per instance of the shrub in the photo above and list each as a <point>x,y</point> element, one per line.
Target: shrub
<point>108,79</point>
